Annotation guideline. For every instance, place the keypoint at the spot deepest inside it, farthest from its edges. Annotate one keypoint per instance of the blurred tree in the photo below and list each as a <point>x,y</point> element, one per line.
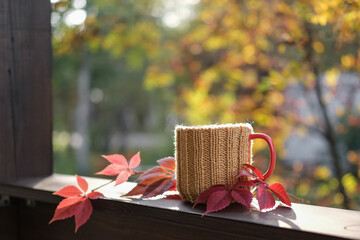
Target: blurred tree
<point>232,61</point>
<point>238,58</point>
<point>111,46</point>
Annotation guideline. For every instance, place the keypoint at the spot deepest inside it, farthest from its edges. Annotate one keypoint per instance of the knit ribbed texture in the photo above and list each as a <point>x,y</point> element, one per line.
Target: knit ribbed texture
<point>210,155</point>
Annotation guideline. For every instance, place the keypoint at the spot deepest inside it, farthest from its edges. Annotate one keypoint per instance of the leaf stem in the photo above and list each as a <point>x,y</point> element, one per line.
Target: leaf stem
<point>137,173</point>
<point>93,190</point>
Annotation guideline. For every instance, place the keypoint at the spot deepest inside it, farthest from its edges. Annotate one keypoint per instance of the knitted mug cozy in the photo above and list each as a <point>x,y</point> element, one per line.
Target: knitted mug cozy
<point>210,155</point>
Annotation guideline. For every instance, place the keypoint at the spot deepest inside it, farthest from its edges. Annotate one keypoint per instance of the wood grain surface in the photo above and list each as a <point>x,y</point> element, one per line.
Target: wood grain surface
<point>25,89</point>
<point>123,218</point>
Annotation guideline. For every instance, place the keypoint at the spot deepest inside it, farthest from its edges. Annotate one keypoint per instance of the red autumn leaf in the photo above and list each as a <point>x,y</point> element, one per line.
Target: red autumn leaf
<point>69,191</point>
<point>135,161</point>
<point>280,193</point>
<point>76,203</point>
<point>204,196</point>
<point>173,186</point>
<point>168,162</point>
<point>256,171</point>
<point>120,167</point>
<point>217,201</point>
<point>66,208</point>
<point>95,195</point>
<point>83,213</point>
<point>82,183</point>
<point>173,197</point>
<point>265,198</point>
<point>244,172</point>
<point>242,196</point>
<point>139,189</point>
<point>158,187</point>
<point>244,184</point>
<point>158,170</point>
<point>156,180</point>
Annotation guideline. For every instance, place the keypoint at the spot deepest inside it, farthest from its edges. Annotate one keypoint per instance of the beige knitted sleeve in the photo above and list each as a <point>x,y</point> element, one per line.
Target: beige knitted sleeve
<point>210,155</point>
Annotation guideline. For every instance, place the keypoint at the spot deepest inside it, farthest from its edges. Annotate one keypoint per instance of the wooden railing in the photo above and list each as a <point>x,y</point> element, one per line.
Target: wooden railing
<point>28,205</point>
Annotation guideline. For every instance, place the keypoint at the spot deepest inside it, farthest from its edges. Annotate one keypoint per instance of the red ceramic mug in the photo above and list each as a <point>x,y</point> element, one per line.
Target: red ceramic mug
<point>214,154</point>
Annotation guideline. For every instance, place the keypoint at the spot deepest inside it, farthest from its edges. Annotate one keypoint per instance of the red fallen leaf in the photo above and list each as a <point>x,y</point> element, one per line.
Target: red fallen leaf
<point>280,193</point>
<point>158,170</point>
<point>119,166</point>
<point>244,184</point>
<point>95,195</point>
<point>76,203</point>
<point>244,172</point>
<point>256,171</point>
<point>156,180</point>
<point>242,196</point>
<point>173,186</point>
<point>168,162</point>
<point>204,196</point>
<point>66,208</point>
<point>158,187</point>
<point>83,213</point>
<point>68,191</point>
<point>265,198</point>
<point>82,183</point>
<point>173,197</point>
<point>217,201</point>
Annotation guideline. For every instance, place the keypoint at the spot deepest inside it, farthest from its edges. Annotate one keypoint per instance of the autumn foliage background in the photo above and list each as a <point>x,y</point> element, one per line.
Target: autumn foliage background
<point>125,72</point>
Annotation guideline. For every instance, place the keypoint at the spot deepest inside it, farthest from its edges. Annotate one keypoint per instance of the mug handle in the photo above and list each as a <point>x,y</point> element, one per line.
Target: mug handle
<point>272,151</point>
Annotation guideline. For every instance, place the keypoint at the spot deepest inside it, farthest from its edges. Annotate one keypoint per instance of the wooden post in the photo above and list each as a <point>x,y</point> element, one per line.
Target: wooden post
<point>25,89</point>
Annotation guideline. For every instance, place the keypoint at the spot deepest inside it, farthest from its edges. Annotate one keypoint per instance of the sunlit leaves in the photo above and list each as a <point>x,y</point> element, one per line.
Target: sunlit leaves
<point>156,180</point>
<point>76,203</point>
<point>219,197</point>
<point>120,167</point>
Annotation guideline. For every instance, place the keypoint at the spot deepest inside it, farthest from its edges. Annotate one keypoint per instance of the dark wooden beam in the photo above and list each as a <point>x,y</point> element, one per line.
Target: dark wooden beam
<point>25,89</point>
<point>123,218</point>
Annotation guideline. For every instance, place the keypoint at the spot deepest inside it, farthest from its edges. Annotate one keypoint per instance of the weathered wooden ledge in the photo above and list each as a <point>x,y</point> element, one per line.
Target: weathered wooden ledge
<point>30,202</point>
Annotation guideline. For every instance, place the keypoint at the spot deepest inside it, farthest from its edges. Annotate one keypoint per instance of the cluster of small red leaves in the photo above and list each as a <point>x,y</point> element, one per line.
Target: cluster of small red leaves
<point>156,180</point>
<point>76,203</point>
<point>120,167</point>
<point>220,196</point>
<point>153,182</point>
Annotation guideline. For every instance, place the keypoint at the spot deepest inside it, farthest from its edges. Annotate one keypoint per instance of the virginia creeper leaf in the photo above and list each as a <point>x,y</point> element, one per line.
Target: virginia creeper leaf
<point>117,159</point>
<point>242,196</point>
<point>153,170</point>
<point>265,198</point>
<point>122,177</point>
<point>204,196</point>
<point>150,178</point>
<point>256,171</point>
<point>95,195</point>
<point>158,187</point>
<point>173,186</point>
<point>66,208</point>
<point>111,170</point>
<point>168,162</point>
<point>280,193</point>
<point>82,183</point>
<point>83,213</point>
<point>217,201</point>
<point>173,197</point>
<point>156,180</point>
<point>244,184</point>
<point>139,189</point>
<point>135,161</point>
<point>119,166</point>
<point>69,191</point>
<point>244,172</point>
